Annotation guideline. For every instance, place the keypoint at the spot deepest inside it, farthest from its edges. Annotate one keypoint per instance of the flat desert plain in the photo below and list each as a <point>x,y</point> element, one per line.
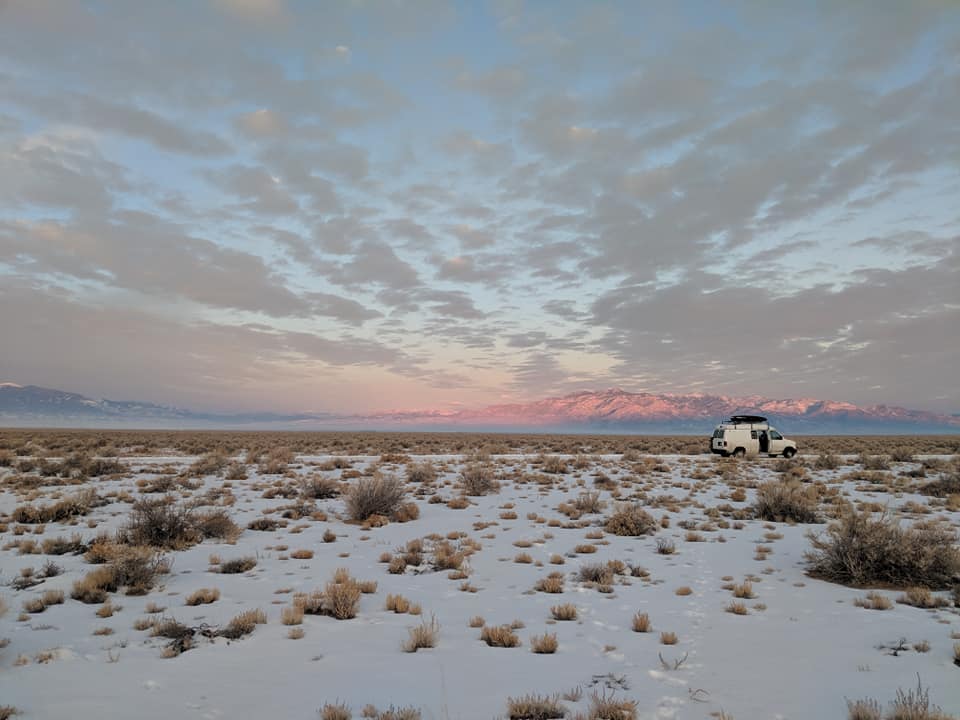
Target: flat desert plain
<point>475,579</point>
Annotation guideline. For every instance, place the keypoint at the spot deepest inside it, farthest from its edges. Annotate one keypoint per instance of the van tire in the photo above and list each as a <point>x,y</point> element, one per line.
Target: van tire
<point>789,453</point>
<point>739,453</point>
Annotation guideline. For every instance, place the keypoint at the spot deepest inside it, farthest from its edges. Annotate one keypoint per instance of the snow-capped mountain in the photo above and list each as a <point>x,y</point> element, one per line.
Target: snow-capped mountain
<point>612,410</point>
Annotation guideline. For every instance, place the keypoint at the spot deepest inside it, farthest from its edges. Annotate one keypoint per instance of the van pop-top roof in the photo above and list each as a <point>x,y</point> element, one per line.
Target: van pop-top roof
<point>736,419</point>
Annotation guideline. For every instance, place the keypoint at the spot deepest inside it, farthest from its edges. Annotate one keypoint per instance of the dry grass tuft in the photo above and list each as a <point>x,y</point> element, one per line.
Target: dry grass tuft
<point>423,635</point>
<point>567,611</point>
<point>342,599</point>
<point>535,707</point>
<point>552,583</point>
<point>499,636</point>
<point>641,622</point>
<point>203,596</point>
<point>545,644</point>
<point>668,638</point>
<point>238,565</point>
<point>873,601</point>
<point>335,711</point>
<point>737,608</point>
<point>244,624</point>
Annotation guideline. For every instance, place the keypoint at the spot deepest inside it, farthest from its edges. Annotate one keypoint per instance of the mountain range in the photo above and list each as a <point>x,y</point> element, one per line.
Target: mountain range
<point>611,411</point>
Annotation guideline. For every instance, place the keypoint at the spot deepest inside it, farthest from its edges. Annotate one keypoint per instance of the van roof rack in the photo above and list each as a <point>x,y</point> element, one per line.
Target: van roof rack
<point>747,419</point>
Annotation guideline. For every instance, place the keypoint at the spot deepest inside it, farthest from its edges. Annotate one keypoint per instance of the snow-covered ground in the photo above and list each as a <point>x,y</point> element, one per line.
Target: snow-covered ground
<point>800,652</point>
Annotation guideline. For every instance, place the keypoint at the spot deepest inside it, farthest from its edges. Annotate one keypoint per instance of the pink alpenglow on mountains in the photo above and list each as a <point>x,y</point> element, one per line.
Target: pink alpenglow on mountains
<point>618,407</point>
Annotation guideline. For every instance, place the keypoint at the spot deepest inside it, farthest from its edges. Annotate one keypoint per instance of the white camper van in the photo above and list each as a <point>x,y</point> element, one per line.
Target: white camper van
<point>750,435</point>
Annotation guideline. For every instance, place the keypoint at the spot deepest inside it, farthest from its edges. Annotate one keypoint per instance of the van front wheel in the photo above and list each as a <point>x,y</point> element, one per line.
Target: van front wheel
<point>789,453</point>
<point>739,453</point>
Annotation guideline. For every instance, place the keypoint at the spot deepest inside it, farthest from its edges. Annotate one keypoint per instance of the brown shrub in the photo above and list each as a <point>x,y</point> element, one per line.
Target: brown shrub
<point>552,583</point>
<point>535,707</point>
<point>564,612</point>
<point>631,520</point>
<point>421,473</point>
<point>859,550</point>
<point>545,644</point>
<point>238,565</point>
<point>376,495</point>
<point>641,622</point>
<point>342,599</point>
<point>423,635</point>
<point>785,501</point>
<point>203,596</point>
<point>499,636</point>
<point>243,624</point>
<point>161,523</point>
<point>478,479</point>
<point>217,524</point>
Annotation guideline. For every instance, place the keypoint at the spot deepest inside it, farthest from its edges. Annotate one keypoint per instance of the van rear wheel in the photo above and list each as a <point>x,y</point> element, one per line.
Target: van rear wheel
<point>739,453</point>
<point>789,453</point>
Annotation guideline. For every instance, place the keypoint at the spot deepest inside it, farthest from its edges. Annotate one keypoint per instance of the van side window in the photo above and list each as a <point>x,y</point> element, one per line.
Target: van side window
<point>753,434</point>
<point>775,435</point>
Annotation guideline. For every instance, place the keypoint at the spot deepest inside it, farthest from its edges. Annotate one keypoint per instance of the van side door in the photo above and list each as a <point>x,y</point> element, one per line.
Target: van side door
<point>777,443</point>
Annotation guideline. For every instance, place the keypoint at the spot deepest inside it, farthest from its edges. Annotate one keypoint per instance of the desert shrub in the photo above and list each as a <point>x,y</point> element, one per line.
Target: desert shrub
<point>78,504</point>
<point>263,524</point>
<point>826,461</point>
<point>94,587</point>
<point>377,495</point>
<point>137,568</point>
<point>599,573</point>
<point>589,502</point>
<point>62,546</point>
<point>873,601</point>
<point>318,487</point>
<point>235,471</point>
<point>421,473</point>
<point>631,520</point>
<point>861,550</point>
<point>161,523</point>
<point>238,565</point>
<point>564,612</point>
<point>216,524</point>
<point>209,464</point>
<point>423,635</point>
<point>535,707</point>
<point>786,501</point>
<point>478,479</point>
<point>945,485</point>
<point>921,597</point>
<point>554,464</point>
<point>406,512</point>
<point>874,462</point>
<point>499,636</point>
<point>666,546</point>
<point>901,454</point>
<point>913,704</point>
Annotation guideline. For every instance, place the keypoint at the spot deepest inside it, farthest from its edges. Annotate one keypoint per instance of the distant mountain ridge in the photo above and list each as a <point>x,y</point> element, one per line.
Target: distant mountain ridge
<point>611,410</point>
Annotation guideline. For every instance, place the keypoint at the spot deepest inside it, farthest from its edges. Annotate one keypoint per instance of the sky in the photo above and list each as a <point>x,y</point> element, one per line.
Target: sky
<point>356,206</point>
